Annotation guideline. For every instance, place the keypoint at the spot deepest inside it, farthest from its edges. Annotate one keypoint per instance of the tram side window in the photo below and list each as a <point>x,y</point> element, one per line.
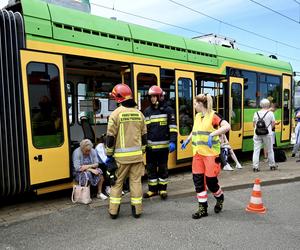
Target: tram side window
<point>236,115</point>
<point>215,89</point>
<point>250,89</point>
<point>185,98</point>
<point>70,91</point>
<point>45,105</point>
<point>269,87</point>
<point>167,83</point>
<point>144,82</point>
<point>286,107</point>
<point>93,101</point>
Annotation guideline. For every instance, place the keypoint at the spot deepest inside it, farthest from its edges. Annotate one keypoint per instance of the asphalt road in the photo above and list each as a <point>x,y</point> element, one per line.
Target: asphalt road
<point>168,225</point>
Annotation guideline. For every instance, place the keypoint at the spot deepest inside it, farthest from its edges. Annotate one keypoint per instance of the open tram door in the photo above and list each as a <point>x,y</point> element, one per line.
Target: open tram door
<point>184,111</point>
<point>46,119</point>
<point>236,112</point>
<point>286,108</point>
<point>144,77</point>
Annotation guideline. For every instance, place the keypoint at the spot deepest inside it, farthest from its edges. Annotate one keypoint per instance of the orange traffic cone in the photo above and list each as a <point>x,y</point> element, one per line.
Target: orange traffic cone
<point>256,205</point>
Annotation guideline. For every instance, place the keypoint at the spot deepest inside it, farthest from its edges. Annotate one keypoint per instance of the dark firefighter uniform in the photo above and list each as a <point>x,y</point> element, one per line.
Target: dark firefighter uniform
<point>161,131</point>
<point>126,142</point>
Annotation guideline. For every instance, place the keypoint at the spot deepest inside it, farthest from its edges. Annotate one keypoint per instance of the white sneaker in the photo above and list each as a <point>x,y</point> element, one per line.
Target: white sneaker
<point>238,166</point>
<point>107,190</point>
<point>101,196</point>
<point>227,167</point>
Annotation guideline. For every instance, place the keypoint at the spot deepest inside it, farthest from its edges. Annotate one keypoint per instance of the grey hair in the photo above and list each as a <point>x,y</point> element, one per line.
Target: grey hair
<point>86,143</point>
<point>265,103</point>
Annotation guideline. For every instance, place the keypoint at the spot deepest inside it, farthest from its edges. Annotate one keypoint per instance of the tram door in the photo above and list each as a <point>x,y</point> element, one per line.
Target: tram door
<point>286,108</point>
<point>144,78</point>
<point>184,111</point>
<point>236,111</point>
<point>46,119</point>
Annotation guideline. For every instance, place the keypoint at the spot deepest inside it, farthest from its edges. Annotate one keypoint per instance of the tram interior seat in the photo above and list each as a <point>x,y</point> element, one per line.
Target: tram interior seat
<point>88,131</point>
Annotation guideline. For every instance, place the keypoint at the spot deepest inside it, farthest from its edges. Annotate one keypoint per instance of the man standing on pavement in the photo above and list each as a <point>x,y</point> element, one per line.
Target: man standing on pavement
<point>126,141</point>
<point>263,122</point>
<point>162,137</point>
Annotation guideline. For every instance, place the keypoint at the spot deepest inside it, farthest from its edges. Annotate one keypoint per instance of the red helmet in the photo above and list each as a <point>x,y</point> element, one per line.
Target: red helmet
<point>121,92</point>
<point>155,90</point>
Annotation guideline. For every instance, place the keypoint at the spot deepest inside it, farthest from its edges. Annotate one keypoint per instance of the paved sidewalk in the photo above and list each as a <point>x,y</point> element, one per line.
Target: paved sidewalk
<point>180,184</point>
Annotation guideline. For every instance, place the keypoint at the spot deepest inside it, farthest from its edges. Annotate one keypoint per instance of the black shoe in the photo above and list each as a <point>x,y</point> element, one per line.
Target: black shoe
<point>202,211</point>
<point>256,170</point>
<point>274,167</point>
<point>219,205</point>
<point>113,216</point>
<point>298,161</point>
<point>134,214</point>
<point>149,194</point>
<point>293,155</point>
<point>163,195</point>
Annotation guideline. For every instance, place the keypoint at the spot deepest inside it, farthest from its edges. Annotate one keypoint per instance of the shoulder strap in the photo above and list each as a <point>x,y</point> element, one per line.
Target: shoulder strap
<point>265,115</point>
<point>257,115</point>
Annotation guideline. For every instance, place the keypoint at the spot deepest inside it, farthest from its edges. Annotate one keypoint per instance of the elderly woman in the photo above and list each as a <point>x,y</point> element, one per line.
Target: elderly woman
<point>85,167</point>
<point>263,122</point>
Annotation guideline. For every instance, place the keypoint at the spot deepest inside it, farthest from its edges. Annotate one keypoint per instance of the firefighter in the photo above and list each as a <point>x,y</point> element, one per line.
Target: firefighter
<point>162,136</point>
<point>125,143</point>
<point>206,167</point>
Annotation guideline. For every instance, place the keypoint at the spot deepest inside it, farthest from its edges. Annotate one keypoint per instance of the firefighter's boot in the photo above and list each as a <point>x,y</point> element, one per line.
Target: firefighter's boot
<point>133,211</point>
<point>162,187</point>
<point>163,194</point>
<point>152,191</point>
<point>219,205</point>
<point>115,216</point>
<point>202,211</point>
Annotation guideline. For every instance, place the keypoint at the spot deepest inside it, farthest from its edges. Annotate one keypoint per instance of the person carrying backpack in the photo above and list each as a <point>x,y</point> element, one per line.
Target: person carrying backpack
<point>263,122</point>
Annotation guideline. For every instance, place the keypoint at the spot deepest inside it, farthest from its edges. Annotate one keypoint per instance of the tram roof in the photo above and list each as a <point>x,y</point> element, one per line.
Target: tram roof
<point>60,24</point>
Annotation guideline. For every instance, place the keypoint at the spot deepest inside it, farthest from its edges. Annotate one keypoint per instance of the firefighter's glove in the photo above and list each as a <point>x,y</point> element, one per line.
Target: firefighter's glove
<point>112,178</point>
<point>111,167</point>
<point>185,143</point>
<point>172,147</point>
<point>210,141</point>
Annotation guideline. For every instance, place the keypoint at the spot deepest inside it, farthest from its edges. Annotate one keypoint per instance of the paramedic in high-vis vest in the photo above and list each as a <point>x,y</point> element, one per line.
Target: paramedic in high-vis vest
<point>126,140</point>
<point>208,126</point>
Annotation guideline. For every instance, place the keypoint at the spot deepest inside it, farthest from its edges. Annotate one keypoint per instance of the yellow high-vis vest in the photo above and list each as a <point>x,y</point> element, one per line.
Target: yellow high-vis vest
<point>201,130</point>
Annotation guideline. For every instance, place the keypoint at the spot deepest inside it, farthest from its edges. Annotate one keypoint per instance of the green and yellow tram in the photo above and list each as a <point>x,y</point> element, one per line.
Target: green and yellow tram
<point>59,64</point>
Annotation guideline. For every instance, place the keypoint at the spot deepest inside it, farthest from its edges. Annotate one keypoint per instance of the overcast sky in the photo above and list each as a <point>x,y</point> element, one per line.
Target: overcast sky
<point>245,14</point>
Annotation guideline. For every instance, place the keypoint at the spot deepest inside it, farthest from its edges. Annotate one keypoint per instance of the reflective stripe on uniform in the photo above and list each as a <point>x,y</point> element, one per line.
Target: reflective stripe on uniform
<point>201,133</point>
<point>152,182</point>
<point>122,136</point>
<point>157,118</point>
<point>173,128</point>
<point>124,152</point>
<point>163,181</point>
<point>158,144</point>
<point>115,200</point>
<point>204,143</point>
<point>136,201</point>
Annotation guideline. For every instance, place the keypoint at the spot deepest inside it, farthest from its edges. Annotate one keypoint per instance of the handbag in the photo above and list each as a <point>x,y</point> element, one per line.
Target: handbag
<point>81,194</point>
